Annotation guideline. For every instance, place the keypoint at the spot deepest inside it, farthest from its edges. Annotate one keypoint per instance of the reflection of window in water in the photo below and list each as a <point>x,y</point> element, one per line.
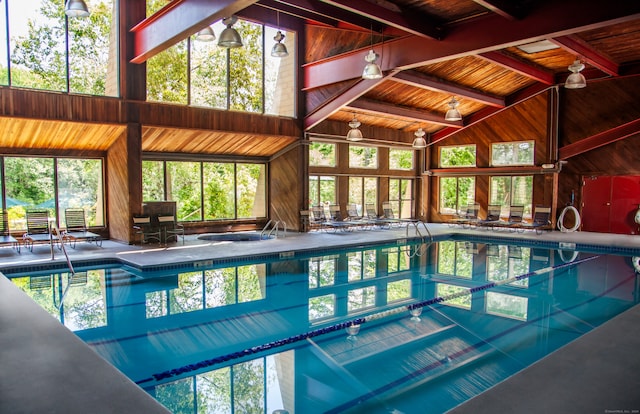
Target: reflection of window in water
<point>462,301</point>
<point>358,299</point>
<point>322,306</point>
<point>398,290</point>
<point>455,259</point>
<point>362,265</point>
<point>245,387</point>
<point>322,271</point>
<point>507,262</point>
<point>208,289</point>
<point>398,259</point>
<point>507,305</point>
<point>76,300</point>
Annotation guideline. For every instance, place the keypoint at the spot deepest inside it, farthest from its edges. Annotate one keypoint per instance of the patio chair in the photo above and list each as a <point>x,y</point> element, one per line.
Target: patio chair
<point>541,220</point>
<point>76,228</point>
<point>147,230</point>
<point>357,219</point>
<point>515,218</point>
<point>493,216</point>
<point>373,218</point>
<point>337,220</point>
<point>467,215</point>
<point>5,235</point>
<point>309,223</point>
<point>38,230</point>
<point>171,228</point>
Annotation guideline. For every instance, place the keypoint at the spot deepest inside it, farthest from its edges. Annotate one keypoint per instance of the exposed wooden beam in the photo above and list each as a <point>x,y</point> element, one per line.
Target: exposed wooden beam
<point>548,19</point>
<point>328,11</point>
<point>412,23</point>
<point>508,9</point>
<point>514,64</point>
<point>299,13</point>
<point>359,88</point>
<point>595,141</point>
<point>178,20</point>
<point>587,53</point>
<point>410,114</point>
<point>420,80</point>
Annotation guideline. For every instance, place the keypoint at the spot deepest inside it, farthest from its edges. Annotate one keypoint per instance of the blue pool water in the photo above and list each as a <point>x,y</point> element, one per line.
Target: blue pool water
<point>402,327</point>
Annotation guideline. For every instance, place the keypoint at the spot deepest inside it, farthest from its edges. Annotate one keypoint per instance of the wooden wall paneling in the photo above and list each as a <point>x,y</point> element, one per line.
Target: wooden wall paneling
<point>285,187</point>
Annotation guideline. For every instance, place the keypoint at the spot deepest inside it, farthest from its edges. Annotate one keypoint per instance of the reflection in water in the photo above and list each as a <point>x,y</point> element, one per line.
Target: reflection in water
<point>371,330</point>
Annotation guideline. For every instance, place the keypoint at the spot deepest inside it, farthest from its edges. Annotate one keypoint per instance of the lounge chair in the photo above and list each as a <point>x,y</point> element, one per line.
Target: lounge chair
<point>372,217</point>
<point>38,230</point>
<point>309,223</point>
<point>493,216</point>
<point>515,218</point>
<point>5,235</point>
<point>171,228</point>
<point>541,220</point>
<point>356,219</point>
<point>468,216</point>
<point>76,228</point>
<point>147,230</point>
<point>336,219</point>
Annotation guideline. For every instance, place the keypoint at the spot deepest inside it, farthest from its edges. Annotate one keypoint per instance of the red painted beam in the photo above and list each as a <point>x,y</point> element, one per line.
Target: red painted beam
<point>595,141</point>
<point>360,87</point>
<point>505,8</point>
<point>420,80</point>
<point>412,23</point>
<point>517,65</point>
<point>178,20</point>
<point>587,53</point>
<point>375,107</point>
<point>548,19</point>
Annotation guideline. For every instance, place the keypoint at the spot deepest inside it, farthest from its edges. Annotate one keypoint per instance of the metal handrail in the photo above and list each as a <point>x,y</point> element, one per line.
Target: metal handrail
<point>64,250</point>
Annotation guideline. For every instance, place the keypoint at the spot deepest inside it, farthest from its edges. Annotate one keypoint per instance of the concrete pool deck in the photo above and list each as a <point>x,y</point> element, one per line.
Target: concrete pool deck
<point>46,368</point>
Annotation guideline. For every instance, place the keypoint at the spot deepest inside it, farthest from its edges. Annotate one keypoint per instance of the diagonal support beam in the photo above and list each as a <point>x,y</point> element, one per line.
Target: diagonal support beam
<point>419,25</point>
<point>359,88</point>
<point>595,141</point>
<point>508,9</point>
<point>517,65</point>
<point>178,20</point>
<point>420,80</point>
<point>375,107</point>
<point>578,47</point>
<point>548,19</point>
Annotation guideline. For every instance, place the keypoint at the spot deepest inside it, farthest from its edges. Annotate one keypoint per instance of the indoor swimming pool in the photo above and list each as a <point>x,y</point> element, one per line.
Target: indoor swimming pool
<point>375,329</point>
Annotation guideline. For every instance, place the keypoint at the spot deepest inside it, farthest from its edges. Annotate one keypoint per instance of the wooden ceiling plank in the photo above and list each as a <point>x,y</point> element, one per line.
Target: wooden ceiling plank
<point>420,80</point>
<point>598,140</point>
<point>582,49</point>
<point>505,8</point>
<point>178,20</point>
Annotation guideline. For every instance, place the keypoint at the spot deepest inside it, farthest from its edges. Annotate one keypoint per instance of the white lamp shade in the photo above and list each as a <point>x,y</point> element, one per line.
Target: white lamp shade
<point>575,81</point>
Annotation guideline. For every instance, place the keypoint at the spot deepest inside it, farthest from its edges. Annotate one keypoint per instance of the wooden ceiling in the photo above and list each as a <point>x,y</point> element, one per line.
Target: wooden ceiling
<point>429,52</point>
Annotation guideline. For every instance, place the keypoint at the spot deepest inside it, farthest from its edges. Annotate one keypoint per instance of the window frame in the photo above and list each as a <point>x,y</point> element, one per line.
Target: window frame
<point>514,162</point>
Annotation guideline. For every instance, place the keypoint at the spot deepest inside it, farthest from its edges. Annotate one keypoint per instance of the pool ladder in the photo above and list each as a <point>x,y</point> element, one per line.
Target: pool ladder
<point>272,228</point>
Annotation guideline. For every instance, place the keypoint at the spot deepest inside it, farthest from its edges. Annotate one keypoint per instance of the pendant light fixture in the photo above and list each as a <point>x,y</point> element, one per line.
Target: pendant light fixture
<point>419,142</point>
<point>206,35</point>
<point>576,80</point>
<point>279,49</point>
<point>76,8</point>
<point>354,133</point>
<point>453,114</point>
<point>371,69</point>
<point>230,37</point>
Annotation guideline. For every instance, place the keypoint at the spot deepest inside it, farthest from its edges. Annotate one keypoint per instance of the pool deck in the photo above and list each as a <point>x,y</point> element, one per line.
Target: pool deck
<point>46,369</point>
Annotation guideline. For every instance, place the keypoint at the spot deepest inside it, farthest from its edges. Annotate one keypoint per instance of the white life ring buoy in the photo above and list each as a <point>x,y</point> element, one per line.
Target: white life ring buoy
<point>635,261</point>
<point>567,258</point>
<point>577,219</point>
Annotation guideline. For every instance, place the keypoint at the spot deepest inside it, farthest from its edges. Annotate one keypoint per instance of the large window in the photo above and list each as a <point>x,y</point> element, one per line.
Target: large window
<point>401,197</point>
<point>363,157</point>
<point>400,159</point>
<point>207,190</point>
<point>456,193</point>
<point>458,156</point>
<point>246,79</point>
<point>363,191</point>
<point>512,153</point>
<point>51,52</point>
<point>53,184</point>
<point>512,191</point>
<point>322,190</point>
<point>455,259</point>
<point>322,154</point>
